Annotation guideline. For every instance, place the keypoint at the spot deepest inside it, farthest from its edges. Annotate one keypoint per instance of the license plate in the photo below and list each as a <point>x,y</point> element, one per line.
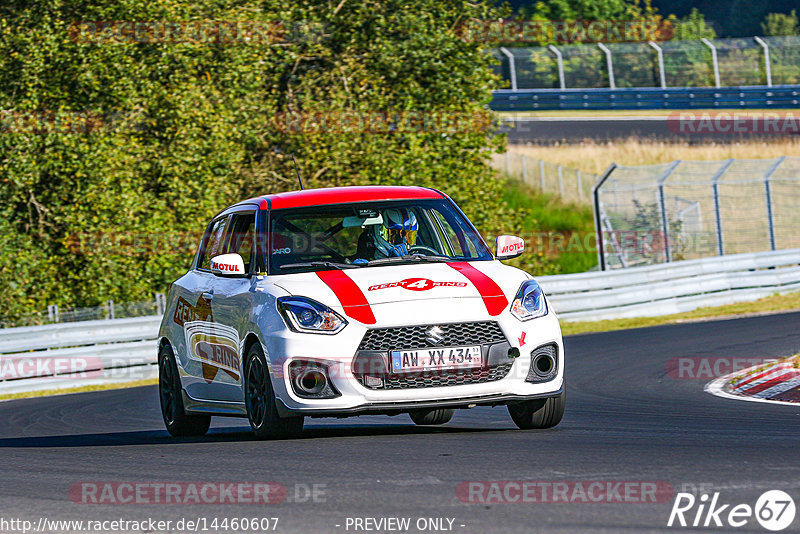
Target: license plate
<point>436,359</point>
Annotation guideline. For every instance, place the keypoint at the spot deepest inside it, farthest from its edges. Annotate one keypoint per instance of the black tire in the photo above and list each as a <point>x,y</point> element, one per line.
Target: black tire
<point>539,413</point>
<point>431,417</point>
<point>178,423</point>
<point>259,397</point>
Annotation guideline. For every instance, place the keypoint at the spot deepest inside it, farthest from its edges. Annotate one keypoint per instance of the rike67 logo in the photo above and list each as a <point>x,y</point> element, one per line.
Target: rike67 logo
<point>774,510</point>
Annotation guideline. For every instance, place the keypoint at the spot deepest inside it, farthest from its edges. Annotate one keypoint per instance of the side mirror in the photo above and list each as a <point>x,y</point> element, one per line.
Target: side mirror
<point>228,265</point>
<point>508,246</point>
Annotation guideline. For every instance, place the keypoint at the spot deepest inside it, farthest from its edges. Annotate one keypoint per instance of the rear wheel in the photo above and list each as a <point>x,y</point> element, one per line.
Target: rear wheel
<point>431,417</point>
<point>538,413</point>
<point>170,392</point>
<point>262,411</point>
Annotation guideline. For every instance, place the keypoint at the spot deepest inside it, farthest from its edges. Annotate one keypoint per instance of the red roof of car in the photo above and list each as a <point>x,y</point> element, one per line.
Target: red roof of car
<point>341,195</point>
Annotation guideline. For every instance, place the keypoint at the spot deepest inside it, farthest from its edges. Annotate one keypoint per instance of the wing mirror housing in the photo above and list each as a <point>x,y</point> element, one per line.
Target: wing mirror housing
<point>508,246</point>
<point>228,265</point>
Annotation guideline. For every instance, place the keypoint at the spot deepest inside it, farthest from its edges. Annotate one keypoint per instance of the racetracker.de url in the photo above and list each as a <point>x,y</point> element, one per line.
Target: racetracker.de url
<point>137,526</point>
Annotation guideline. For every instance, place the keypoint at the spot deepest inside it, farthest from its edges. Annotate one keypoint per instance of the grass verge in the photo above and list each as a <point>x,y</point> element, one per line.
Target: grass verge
<point>765,306</point>
<point>547,226</point>
<point>65,391</point>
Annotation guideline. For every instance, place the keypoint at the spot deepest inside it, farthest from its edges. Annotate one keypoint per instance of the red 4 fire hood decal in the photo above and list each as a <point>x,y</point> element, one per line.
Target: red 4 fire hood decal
<point>357,307</point>
<point>493,297</point>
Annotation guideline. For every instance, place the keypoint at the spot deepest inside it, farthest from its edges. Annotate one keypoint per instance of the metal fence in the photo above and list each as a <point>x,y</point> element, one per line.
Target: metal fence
<point>571,185</point>
<point>694,209</point>
<point>697,63</point>
<point>109,310</point>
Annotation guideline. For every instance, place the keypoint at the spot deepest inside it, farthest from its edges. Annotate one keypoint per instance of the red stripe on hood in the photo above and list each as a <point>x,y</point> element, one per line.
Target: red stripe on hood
<point>493,297</point>
<point>350,296</point>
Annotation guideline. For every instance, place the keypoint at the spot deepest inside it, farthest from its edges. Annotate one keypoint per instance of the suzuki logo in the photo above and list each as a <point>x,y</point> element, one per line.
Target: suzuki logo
<point>435,335</point>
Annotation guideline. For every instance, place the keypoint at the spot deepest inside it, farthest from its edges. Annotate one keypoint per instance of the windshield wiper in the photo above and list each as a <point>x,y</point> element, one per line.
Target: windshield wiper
<point>330,264</point>
<point>411,257</point>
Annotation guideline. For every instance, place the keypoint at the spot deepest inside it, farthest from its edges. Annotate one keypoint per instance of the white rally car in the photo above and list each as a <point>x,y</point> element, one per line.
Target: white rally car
<point>355,300</point>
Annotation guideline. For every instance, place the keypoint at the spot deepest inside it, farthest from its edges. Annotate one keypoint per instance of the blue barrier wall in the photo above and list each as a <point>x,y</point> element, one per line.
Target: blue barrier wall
<point>751,97</point>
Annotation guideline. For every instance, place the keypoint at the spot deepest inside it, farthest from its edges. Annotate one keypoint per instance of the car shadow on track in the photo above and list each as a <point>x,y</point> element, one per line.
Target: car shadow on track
<point>227,434</point>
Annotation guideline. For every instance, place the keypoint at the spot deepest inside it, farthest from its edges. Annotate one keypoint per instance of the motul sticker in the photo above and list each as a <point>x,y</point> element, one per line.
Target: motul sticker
<point>417,284</point>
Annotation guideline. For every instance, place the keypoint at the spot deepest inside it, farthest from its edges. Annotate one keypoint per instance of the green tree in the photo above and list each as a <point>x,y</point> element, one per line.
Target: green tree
<point>694,26</point>
<point>780,24</point>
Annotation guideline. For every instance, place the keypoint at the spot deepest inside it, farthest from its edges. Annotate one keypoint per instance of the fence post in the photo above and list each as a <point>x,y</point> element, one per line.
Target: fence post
<point>660,56</point>
<point>541,173</point>
<point>598,224</point>
<point>580,185</point>
<point>524,169</point>
<point>714,61</point>
<point>767,66</point>
<point>768,193</point>
<point>715,189</point>
<point>512,71</point>
<point>560,182</point>
<point>560,63</point>
<point>664,220</point>
<point>609,65</point>
<point>110,309</point>
<point>52,313</point>
<point>508,166</point>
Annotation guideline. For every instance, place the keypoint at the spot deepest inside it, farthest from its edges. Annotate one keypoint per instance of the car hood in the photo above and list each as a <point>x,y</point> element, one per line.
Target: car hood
<point>356,290</point>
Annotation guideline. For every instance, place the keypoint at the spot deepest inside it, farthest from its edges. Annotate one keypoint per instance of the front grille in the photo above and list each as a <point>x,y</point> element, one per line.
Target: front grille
<point>451,378</point>
<point>415,337</point>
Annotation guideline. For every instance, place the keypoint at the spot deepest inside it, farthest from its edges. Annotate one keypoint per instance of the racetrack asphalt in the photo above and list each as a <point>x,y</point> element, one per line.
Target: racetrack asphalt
<point>627,419</point>
<point>550,130</point>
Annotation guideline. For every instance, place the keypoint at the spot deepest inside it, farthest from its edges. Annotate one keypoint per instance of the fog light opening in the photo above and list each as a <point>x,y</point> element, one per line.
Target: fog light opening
<point>544,364</point>
<point>311,381</point>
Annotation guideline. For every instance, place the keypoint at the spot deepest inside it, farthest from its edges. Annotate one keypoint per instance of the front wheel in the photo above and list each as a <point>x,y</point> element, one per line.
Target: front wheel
<point>260,400</point>
<point>178,423</point>
<point>538,413</point>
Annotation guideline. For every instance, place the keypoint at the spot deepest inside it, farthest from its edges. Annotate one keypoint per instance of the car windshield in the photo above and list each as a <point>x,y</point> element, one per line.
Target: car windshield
<point>346,236</point>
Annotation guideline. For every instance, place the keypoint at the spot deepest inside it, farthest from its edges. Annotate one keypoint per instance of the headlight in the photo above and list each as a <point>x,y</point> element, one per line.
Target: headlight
<point>306,315</point>
<point>529,302</point>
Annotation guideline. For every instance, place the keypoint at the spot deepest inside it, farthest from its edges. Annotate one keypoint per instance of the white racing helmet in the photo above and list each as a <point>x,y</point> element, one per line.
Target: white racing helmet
<point>397,233</point>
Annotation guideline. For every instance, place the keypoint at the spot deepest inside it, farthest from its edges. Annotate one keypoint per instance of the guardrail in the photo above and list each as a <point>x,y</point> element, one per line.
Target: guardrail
<point>753,97</point>
<point>125,349</point>
<point>673,287</point>
<point>82,353</point>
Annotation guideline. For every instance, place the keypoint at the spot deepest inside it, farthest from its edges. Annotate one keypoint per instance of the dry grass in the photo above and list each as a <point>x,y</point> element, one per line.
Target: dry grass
<point>595,157</point>
<point>765,306</point>
<point>64,391</point>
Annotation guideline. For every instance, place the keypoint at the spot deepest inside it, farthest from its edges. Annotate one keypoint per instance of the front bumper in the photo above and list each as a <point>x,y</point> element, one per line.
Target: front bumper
<point>394,408</point>
<point>337,354</point>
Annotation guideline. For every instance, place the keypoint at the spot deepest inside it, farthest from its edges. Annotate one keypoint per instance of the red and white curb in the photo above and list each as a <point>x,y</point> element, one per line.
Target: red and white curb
<point>777,383</point>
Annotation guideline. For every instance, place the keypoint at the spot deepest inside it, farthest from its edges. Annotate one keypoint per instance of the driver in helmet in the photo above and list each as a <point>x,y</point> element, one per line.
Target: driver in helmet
<point>397,234</point>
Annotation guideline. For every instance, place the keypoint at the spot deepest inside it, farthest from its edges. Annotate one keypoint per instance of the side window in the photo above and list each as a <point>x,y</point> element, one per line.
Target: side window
<point>243,236</point>
<point>214,242</point>
<point>450,238</point>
